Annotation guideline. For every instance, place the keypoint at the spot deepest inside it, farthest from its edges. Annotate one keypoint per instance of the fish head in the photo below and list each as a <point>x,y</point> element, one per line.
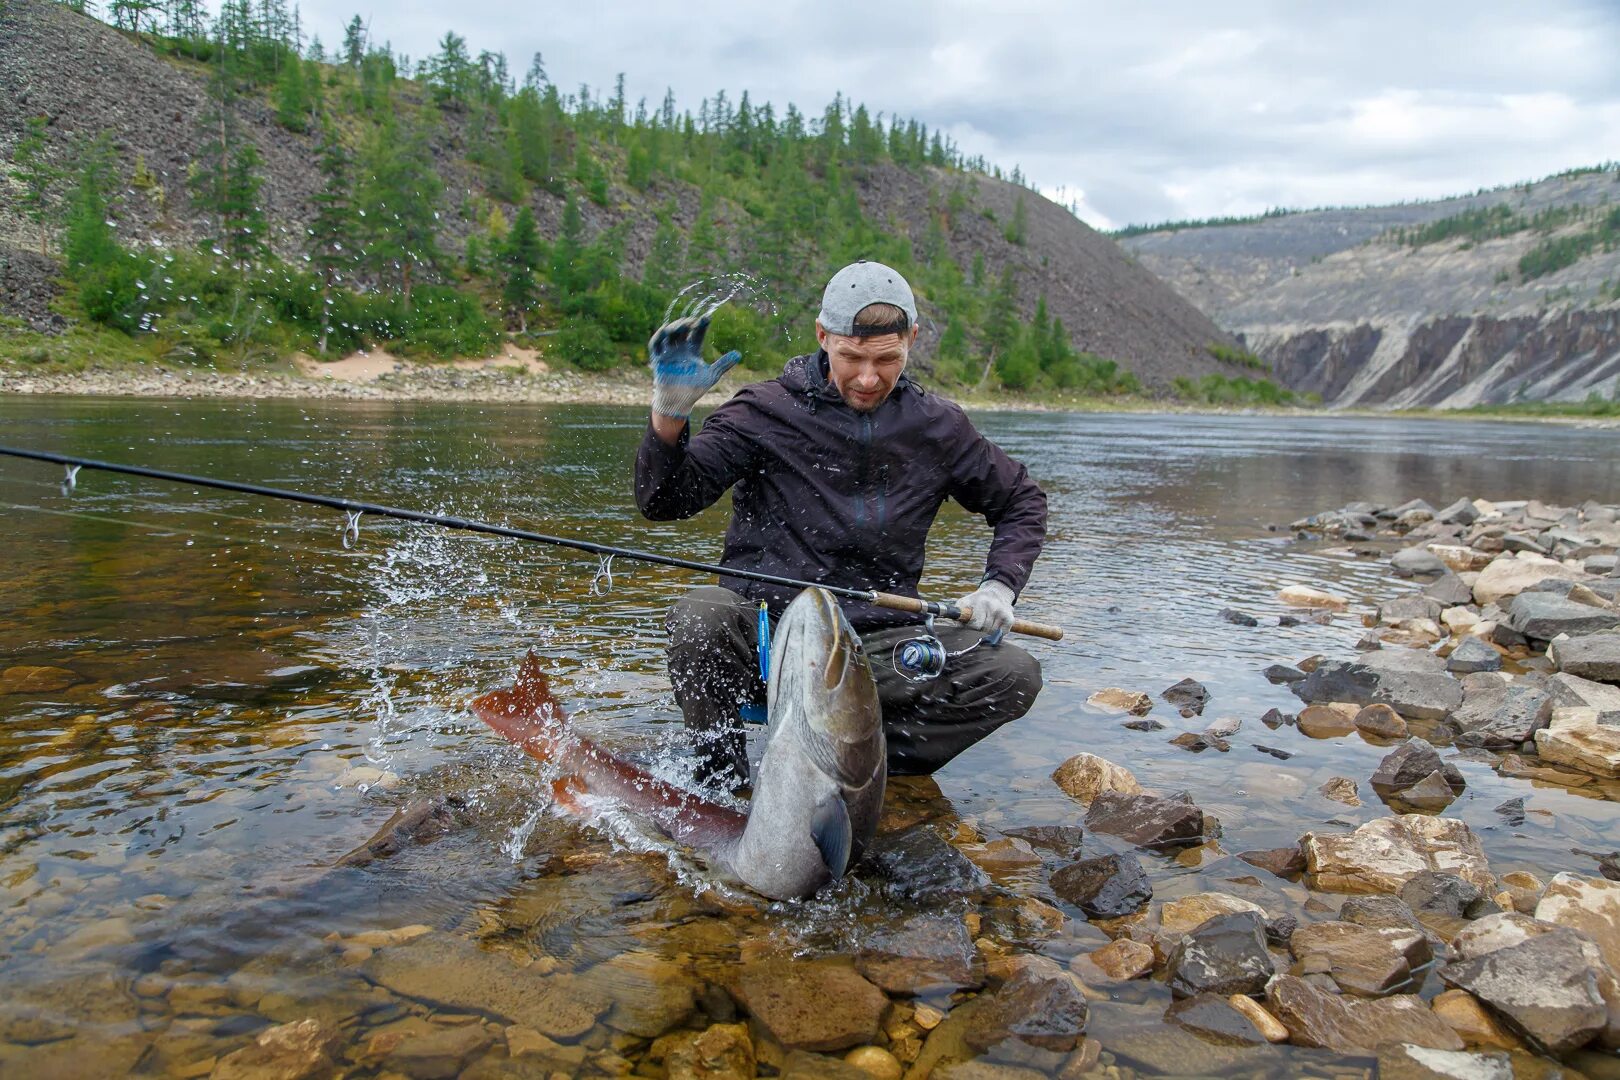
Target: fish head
<point>820,675</point>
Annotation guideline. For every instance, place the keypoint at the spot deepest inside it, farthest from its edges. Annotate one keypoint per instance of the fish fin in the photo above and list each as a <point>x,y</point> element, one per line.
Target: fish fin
<point>566,792</point>
<point>831,830</point>
<point>526,712</point>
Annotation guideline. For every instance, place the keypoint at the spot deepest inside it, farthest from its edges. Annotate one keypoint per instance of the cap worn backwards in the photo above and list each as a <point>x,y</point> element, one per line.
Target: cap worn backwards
<point>858,285</point>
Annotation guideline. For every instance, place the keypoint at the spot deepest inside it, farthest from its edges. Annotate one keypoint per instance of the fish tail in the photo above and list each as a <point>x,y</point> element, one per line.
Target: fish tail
<point>526,712</point>
<point>566,792</point>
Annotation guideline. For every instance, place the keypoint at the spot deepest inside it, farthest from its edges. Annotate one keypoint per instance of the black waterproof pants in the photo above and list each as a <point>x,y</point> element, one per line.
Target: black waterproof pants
<point>714,666</point>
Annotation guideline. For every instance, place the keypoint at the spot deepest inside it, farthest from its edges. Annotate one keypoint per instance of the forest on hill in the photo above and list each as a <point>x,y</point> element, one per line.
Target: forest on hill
<point>449,204</point>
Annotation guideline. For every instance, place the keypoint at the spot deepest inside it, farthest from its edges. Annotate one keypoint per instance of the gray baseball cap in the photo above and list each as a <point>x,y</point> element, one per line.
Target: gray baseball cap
<point>856,286</point>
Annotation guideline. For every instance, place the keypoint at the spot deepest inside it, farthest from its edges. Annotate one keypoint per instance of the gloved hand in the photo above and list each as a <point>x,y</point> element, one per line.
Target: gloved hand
<point>680,376</point>
<point>990,608</point>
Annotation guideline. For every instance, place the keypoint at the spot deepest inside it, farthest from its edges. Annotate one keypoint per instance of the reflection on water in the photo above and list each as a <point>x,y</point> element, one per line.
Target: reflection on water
<point>234,700</point>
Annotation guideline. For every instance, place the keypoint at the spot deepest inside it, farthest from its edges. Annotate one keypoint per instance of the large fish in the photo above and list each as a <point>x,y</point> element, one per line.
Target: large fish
<point>819,788</point>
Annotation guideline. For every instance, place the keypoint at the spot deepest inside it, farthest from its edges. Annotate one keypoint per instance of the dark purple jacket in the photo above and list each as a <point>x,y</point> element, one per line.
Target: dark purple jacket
<point>831,495</point>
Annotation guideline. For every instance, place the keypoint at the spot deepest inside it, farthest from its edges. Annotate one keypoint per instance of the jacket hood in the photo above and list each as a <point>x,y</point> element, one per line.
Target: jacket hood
<point>807,374</point>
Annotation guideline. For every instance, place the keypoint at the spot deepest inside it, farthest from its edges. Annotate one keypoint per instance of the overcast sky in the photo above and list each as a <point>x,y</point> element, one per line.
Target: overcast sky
<point>1135,112</point>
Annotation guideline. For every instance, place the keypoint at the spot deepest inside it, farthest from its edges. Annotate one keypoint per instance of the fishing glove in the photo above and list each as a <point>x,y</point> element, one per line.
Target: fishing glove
<point>990,608</point>
<point>680,376</point>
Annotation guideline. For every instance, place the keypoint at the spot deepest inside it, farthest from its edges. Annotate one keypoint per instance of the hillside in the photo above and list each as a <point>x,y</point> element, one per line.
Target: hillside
<point>1504,295</point>
<point>629,207</point>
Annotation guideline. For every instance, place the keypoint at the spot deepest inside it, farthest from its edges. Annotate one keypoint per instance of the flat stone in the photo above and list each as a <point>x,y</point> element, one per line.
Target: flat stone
<point>650,994</point>
<point>1114,699</point>
<point>1502,718</point>
<point>1382,855</point>
<point>1274,751</point>
<point>1327,721</point>
<point>1352,1024</point>
<point>1472,1023</point>
<point>803,1065</point>
<point>1429,795</point>
<point>1572,691</point>
<point>1402,1062</point>
<point>1418,689</point>
<point>1147,723</point>
<point>1591,656</point>
<point>1472,655</point>
<point>927,955</point>
<point>1238,618</point>
<point>1305,596</point>
<point>1223,955</point>
<point>441,1053</point>
<point>1045,1008</point>
<point>1085,776</point>
<point>1123,959</point>
<point>1410,606</point>
<point>1285,862</point>
<point>1269,1027</point>
<point>1417,562</point>
<point>1575,738</point>
<point>1105,887</point>
<point>1283,673</point>
<point>1149,821</point>
<point>1212,1018</point>
<point>1358,958</point>
<point>1381,721</point>
<point>1340,789</point>
<point>1197,742</point>
<point>1177,917</point>
<point>1507,577</point>
<point>34,679</point>
<point>817,1005</point>
<point>1446,895</point>
<point>1448,590</point>
<point>917,864</point>
<point>1065,840</point>
<point>1543,988</point>
<point>1461,512</point>
<point>1589,905</point>
<point>1542,616</point>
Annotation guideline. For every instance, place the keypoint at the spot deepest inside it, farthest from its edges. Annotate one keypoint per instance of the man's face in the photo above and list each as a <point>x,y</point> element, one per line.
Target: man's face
<point>865,369</point>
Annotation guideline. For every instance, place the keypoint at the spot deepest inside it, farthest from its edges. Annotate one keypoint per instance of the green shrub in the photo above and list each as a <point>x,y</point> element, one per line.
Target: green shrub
<point>585,345</point>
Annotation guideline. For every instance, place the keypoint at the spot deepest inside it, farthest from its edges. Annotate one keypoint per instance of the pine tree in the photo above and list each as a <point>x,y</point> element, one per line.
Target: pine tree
<point>330,251</point>
<point>292,95</point>
<point>398,196</point>
<point>35,174</point>
<point>522,257</point>
<point>244,234</point>
<point>354,42</point>
<point>662,269</point>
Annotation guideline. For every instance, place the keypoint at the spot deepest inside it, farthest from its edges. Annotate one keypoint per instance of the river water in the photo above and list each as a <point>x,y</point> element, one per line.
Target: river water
<point>248,699</point>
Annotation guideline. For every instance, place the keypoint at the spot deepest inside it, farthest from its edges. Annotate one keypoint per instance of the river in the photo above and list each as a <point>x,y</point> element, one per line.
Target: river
<point>248,699</point>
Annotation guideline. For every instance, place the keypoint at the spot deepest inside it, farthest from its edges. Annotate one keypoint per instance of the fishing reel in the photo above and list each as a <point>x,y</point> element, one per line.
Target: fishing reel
<point>923,658</point>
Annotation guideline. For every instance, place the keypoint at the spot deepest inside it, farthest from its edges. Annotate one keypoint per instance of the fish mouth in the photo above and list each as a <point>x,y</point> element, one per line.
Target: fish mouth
<point>838,649</point>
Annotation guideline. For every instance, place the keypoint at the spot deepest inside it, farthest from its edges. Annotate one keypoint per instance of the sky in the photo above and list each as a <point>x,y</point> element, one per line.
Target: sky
<point>1130,113</point>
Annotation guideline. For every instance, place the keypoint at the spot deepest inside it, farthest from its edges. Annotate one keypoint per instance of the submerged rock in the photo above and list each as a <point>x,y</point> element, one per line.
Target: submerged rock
<point>1283,673</point>
<point>1149,821</point>
<point>1105,887</point>
<point>1589,905</point>
<point>1212,1018</point>
<point>929,954</point>
<point>1285,862</point>
<point>1402,1062</point>
<point>1361,960</point>
<point>1043,1007</point>
<point>1085,776</point>
<point>917,864</point>
<point>1380,721</point>
<point>1409,764</point>
<point>1115,699</point>
<point>1123,959</point>
<point>1384,854</point>
<point>302,1050</point>
<point>1238,618</point>
<point>1188,695</point>
<point>1340,789</point>
<point>1352,1024</point>
<point>1412,682</point>
<point>818,1005</point>
<point>1223,955</point>
<point>1327,721</point>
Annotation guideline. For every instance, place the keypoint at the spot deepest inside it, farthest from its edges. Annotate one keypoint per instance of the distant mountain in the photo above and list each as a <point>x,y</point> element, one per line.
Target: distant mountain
<point>641,201</point>
<point>1508,294</point>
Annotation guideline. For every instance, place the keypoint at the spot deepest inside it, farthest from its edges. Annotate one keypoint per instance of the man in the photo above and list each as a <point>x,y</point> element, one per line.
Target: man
<point>839,466</point>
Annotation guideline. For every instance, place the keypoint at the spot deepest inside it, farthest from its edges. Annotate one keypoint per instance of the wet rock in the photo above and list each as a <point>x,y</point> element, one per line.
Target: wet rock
<point>1359,959</point>
<point>1177,917</point>
<point>1270,1028</point>
<point>303,1050</point>
<point>1105,887</point>
<point>1544,988</point>
<point>1409,606</point>
<point>1381,722</point>
<point>1147,723</point>
<point>1403,1062</point>
<point>1305,596</point>
<point>1430,795</point>
<point>917,864</point>
<point>802,1065</point>
<point>1413,682</point>
<point>1285,862</point>
<point>1576,738</point>
<point>1525,889</point>
<point>1188,695</point>
<point>1589,905</point>
<point>1327,721</point>
<point>1224,728</point>
<point>1340,789</point>
<point>650,994</point>
<point>874,1061</point>
<point>1282,673</point>
<point>1352,1024</point>
<point>1065,840</point>
<point>1279,754</point>
<point>1276,718</point>
<point>1382,855</point>
<point>1123,959</point>
<point>1041,1007</point>
<point>33,679</point>
<point>1162,1049</point>
<point>1502,718</point>
<point>441,1053</point>
<point>1197,742</point>
<point>928,955</point>
<point>1472,1023</point>
<point>448,970</point>
<point>1472,655</point>
<point>1542,616</point>
<point>1238,618</point>
<point>1115,699</point>
<point>814,1005</point>
<point>1280,930</point>
<point>1592,656</point>
<point>1223,955</point>
<point>1002,855</point>
<point>1408,764</point>
<point>1507,577</point>
<point>719,1052</point>
<point>1212,1018</point>
<point>1149,821</point>
<point>1417,562</point>
<point>1448,591</point>
<point>1085,776</point>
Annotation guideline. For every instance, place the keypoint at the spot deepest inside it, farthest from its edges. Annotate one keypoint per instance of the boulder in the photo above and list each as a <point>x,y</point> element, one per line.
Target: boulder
<point>1461,512</point>
<point>1430,795</point>
<point>1410,606</point>
<point>1572,691</point>
<point>1045,1008</point>
<point>818,1005</point>
<point>1114,699</point>
<point>917,864</point>
<point>1408,764</point>
<point>1542,616</point>
<point>1105,887</point>
<point>650,994</point>
<point>1446,895</point>
<point>1509,576</point>
<point>1268,1025</point>
<point>1472,655</point>
<point>1150,821</point>
<point>1352,1024</point>
<point>1381,722</point>
<point>1282,673</point>
<point>1590,905</point>
<point>1502,718</point>
<point>1085,776</point>
<point>1544,988</point>
<point>1285,862</point>
<point>438,1054</point>
<point>1123,959</point>
<point>1188,695</point>
<point>1460,558</point>
<point>1417,562</point>
<point>1327,721</point>
<point>1360,959</point>
<point>1576,738</point>
<point>1385,853</point>
<point>1223,955</point>
<point>1591,656</point>
<point>302,1050</point>
<point>1413,682</point>
<point>927,955</point>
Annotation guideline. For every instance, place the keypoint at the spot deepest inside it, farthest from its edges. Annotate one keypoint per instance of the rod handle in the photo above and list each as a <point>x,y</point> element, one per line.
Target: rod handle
<point>951,611</point>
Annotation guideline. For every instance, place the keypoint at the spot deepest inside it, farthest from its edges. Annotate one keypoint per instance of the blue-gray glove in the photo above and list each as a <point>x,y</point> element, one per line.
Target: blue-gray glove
<point>680,376</point>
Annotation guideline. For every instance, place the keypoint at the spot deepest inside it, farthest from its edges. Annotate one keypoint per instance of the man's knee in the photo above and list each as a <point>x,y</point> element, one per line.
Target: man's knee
<point>1013,681</point>
<point>702,615</point>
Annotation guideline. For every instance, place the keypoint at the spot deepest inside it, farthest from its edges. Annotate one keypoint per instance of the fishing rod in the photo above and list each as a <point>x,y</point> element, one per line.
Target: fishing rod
<point>353,509</point>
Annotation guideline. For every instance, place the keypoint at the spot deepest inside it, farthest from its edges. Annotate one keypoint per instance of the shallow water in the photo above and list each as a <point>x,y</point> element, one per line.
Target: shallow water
<point>169,821</point>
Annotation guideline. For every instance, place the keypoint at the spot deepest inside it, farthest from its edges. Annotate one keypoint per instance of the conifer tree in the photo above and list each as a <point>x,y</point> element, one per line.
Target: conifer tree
<point>662,269</point>
<point>35,174</point>
<point>1017,231</point>
<point>522,257</point>
<point>292,94</point>
<point>242,225</point>
<point>89,242</point>
<point>568,253</point>
<point>398,195</point>
<point>354,42</point>
<point>330,250</point>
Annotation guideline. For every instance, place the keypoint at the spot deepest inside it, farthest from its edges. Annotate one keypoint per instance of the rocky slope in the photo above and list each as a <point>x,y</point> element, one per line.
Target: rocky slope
<point>1340,306</point>
<point>88,77</point>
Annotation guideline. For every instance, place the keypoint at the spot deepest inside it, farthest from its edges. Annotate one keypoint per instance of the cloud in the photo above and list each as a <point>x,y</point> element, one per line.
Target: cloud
<point>1150,111</point>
